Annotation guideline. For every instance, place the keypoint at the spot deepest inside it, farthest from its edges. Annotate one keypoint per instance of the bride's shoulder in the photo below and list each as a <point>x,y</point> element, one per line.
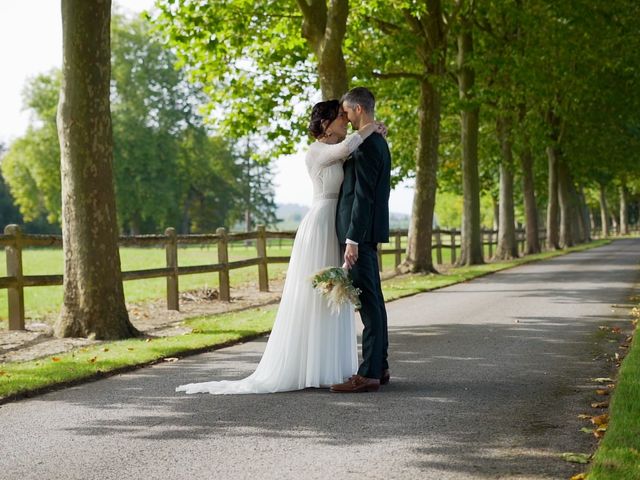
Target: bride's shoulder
<point>311,152</point>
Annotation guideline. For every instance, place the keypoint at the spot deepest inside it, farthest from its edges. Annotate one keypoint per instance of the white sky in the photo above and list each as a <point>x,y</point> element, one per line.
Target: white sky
<point>31,43</point>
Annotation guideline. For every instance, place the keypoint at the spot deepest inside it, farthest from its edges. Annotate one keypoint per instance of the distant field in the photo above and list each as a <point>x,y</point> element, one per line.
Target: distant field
<point>40,301</point>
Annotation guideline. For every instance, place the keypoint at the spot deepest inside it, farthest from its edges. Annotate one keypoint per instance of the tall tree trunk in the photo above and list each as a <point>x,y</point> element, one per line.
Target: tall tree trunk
<point>420,230</point>
<point>624,211</point>
<point>553,233</point>
<point>585,214</point>
<point>471,251</point>
<point>566,233</point>
<point>134,225</point>
<point>431,42</point>
<point>185,226</point>
<point>507,245</point>
<point>614,222</point>
<point>578,226</point>
<point>604,211</point>
<point>530,207</point>
<point>93,295</point>
<point>324,26</point>
<point>528,190</point>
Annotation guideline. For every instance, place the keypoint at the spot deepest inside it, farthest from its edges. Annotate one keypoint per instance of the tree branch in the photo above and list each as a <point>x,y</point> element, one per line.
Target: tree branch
<point>385,27</point>
<point>336,26</point>
<point>449,19</point>
<point>315,20</point>
<point>392,75</point>
<point>305,8</point>
<point>415,24</point>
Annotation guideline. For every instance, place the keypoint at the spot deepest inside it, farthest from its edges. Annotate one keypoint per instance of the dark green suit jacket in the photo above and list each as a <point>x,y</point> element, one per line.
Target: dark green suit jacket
<point>363,206</point>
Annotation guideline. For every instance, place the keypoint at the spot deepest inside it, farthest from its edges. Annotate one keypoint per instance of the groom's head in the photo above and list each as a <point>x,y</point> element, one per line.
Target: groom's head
<point>359,104</point>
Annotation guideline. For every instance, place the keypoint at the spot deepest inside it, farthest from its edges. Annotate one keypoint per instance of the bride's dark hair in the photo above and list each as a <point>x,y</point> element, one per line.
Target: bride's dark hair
<point>323,113</point>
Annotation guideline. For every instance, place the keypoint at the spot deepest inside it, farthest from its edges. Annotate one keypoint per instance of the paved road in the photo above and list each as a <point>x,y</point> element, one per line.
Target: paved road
<point>488,377</point>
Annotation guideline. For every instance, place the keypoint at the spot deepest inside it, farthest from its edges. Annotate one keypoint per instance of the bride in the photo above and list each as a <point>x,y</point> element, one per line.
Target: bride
<point>309,346</point>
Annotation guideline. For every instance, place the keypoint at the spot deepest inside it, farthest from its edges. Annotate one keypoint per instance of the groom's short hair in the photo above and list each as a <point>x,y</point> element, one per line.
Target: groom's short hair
<point>360,96</point>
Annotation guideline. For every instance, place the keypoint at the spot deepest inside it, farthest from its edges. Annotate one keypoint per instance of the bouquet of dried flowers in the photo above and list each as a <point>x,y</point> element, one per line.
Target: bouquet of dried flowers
<point>334,284</point>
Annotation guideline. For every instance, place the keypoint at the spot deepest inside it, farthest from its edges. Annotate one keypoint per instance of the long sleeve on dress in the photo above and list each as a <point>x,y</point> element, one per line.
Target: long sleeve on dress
<point>322,155</point>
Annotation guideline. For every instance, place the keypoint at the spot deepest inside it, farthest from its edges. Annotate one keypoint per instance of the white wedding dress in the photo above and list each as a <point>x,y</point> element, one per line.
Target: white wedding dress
<point>309,346</point>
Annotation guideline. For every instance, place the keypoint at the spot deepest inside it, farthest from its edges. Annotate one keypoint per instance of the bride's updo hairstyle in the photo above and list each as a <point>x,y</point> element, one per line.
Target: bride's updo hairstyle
<point>322,115</point>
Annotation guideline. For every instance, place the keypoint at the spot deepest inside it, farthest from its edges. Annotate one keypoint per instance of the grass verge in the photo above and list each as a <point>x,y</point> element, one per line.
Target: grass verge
<point>618,455</point>
<point>19,379</point>
<point>36,376</point>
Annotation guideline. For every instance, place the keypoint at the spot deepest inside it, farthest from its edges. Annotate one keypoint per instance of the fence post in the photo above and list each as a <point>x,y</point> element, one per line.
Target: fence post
<point>379,254</point>
<point>15,294</point>
<point>261,247</point>
<point>171,248</point>
<point>223,259</point>
<point>453,246</point>
<point>439,247</point>
<point>490,242</point>
<point>398,249</point>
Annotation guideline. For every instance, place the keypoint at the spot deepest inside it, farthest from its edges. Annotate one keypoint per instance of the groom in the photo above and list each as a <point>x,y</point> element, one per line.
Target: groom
<point>362,221</point>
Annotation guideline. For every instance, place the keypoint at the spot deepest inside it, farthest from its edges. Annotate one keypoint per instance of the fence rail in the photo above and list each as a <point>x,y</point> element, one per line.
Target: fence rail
<point>15,242</point>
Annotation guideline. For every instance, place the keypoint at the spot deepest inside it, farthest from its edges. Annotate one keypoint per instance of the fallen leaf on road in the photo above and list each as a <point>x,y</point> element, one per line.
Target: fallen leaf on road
<point>585,416</point>
<point>599,404</point>
<point>579,476</point>
<point>602,380</point>
<point>576,457</point>
<point>602,391</point>
<point>600,419</point>
<point>171,359</point>
<point>587,430</point>
<point>598,434</point>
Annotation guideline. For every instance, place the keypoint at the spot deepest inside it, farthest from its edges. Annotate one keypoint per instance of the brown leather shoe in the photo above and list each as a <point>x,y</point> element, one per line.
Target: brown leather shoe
<point>357,384</point>
<point>386,376</point>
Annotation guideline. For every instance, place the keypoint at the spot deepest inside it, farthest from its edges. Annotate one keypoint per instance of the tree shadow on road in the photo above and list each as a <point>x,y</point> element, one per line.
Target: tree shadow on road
<point>490,400</point>
<point>476,399</point>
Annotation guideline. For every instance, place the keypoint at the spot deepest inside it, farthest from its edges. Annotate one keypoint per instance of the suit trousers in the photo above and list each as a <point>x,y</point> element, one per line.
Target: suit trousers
<point>365,275</point>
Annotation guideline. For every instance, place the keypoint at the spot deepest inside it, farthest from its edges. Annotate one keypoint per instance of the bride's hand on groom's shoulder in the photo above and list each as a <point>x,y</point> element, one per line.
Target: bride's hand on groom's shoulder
<point>381,128</point>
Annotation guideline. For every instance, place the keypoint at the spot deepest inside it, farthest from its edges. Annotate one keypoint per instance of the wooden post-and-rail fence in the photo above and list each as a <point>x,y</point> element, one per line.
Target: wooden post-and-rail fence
<point>15,282</point>
<point>15,242</point>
